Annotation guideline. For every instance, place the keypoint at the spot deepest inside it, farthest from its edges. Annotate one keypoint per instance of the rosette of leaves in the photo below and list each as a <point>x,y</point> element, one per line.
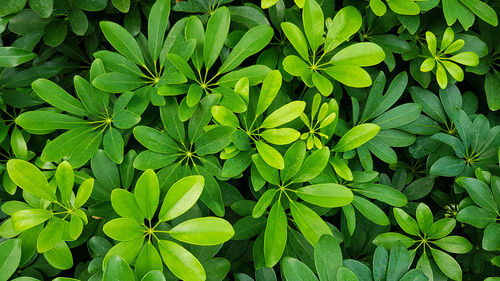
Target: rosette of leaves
<point>483,211</point>
<point>363,184</point>
<point>465,12</point>
<point>143,232</point>
<point>181,154</point>
<point>320,57</point>
<point>442,62</point>
<point>429,236</point>
<point>314,136</point>
<point>54,203</point>
<point>476,145</point>
<point>145,67</point>
<point>286,183</point>
<point>89,120</point>
<point>208,46</point>
<point>387,121</point>
<point>259,127</point>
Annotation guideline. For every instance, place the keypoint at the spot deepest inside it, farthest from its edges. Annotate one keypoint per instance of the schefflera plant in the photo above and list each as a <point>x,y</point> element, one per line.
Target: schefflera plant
<point>315,59</point>
<point>428,235</point>
<point>441,60</point>
<point>258,128</point>
<point>200,74</point>
<point>482,208</point>
<point>145,68</point>
<point>142,231</point>
<point>91,119</point>
<point>51,215</point>
<point>284,190</point>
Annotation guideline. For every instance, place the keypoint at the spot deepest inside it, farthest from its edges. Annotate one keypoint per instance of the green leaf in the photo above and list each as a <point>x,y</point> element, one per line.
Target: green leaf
<point>313,20</point>
<point>12,57</point>
<point>482,10</point>
<point>388,239</point>
<point>350,75</point>
<point>58,97</point>
<point>267,172</point>
<point>383,193</point>
<point>125,205</point>
<point>148,260</point>
<point>284,114</point>
<point>441,228</point>
<point>26,219</point>
<point>10,256</point>
<point>404,7</point>
<point>447,264</point>
<point>28,177</point>
<point>275,235</point>
<point>116,82</point>
<point>155,140</point>
<point>117,269</point>
<point>345,274</point>
<point>309,222</point>
<point>157,25</point>
<point>359,54</point>
<point>490,239</point>
<point>50,235</point>
<point>270,155</point>
<point>60,256</point>
<point>406,222</point>
<point>479,192</point>
<point>122,5</point>
<point>454,244</point>
<point>123,229</point>
<point>296,38</point>
<point>18,144</point>
<point>122,41</point>
<point>181,197</point>
<point>280,136</point>
<point>65,180</point>
<point>213,140</point>
<point>346,23</point>
<point>398,116</point>
<point>264,202</point>
<point>252,42</point>
<point>356,137</point>
<point>328,195</point>
<point>327,257</point>
<point>269,90</point>
<point>181,262</point>
<point>295,270</point>
<point>424,217</point>
<point>370,210</point>
<point>215,36</point>
<point>203,231</point>
<point>313,166</point>
<point>47,120</point>
<point>447,166</point>
<point>147,193</point>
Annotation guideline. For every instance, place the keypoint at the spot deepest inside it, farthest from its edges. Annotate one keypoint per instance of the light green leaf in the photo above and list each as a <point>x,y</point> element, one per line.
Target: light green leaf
<point>356,137</point>
<point>269,90</point>
<point>147,193</point>
<point>181,262</point>
<point>157,25</point>
<point>215,36</point>
<point>270,155</point>
<point>28,177</point>
<point>345,24</point>
<point>313,20</point>
<point>284,114</point>
<point>275,235</point>
<point>58,97</point>
<point>359,54</point>
<point>328,195</point>
<point>181,197</point>
<point>203,231</point>
<point>122,41</point>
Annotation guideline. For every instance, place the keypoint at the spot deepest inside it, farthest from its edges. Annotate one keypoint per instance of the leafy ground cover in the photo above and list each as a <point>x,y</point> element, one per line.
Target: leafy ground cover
<point>296,140</point>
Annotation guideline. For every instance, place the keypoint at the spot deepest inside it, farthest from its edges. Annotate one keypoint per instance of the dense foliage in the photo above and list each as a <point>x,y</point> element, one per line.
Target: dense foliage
<point>296,140</point>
